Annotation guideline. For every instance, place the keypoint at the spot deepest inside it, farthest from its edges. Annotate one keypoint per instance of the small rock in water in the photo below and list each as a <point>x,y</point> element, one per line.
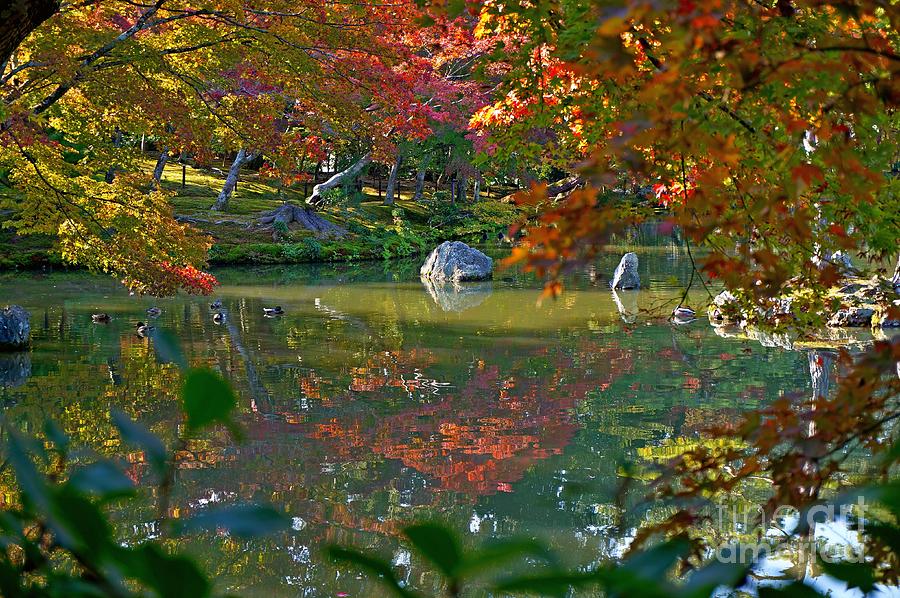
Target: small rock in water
<point>724,309</point>
<point>454,261</point>
<point>626,274</point>
<point>15,328</point>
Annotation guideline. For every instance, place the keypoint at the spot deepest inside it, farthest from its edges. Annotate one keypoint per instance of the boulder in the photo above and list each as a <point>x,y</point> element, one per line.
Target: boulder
<point>852,317</point>
<point>626,274</point>
<point>15,328</point>
<point>454,261</point>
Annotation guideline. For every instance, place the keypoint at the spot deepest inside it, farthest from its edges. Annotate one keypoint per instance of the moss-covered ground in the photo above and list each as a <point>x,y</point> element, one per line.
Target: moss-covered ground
<point>376,231</point>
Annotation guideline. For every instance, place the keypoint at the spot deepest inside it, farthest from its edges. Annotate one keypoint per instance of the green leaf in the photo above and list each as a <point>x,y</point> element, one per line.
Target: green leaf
<point>136,434</point>
<point>372,565</point>
<point>207,399</point>
<point>496,553</point>
<point>56,435</point>
<point>437,544</point>
<point>455,8</point>
<point>170,576</point>
<point>655,562</point>
<point>245,521</point>
<point>793,590</point>
<point>32,485</point>
<point>103,479</point>
<point>548,584</point>
<point>80,525</point>
<point>705,580</point>
<point>168,349</point>
<point>857,575</point>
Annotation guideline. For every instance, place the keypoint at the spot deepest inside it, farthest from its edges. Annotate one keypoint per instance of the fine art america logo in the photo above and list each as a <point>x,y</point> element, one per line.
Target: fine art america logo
<point>830,532</point>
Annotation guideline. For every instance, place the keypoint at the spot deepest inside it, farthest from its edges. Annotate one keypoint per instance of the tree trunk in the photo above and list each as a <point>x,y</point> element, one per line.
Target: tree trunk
<point>420,183</point>
<point>564,186</point>
<point>461,188</point>
<point>160,166</point>
<point>231,180</point>
<point>896,278</point>
<point>392,182</point>
<point>476,191</point>
<point>338,178</point>
<point>304,216</point>
<point>18,19</point>
<point>117,143</point>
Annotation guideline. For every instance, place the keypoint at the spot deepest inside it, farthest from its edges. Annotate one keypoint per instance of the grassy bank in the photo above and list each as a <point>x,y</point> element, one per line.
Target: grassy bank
<point>376,231</point>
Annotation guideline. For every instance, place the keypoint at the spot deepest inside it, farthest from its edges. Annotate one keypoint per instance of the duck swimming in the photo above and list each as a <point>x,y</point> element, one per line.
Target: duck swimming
<point>143,329</point>
<point>273,311</point>
<point>683,315</point>
<point>100,318</point>
<point>215,304</point>
<point>154,312</point>
<point>218,317</point>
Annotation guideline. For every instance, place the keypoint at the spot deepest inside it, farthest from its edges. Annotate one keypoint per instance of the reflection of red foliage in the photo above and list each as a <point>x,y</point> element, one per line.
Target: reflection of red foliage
<point>482,439</point>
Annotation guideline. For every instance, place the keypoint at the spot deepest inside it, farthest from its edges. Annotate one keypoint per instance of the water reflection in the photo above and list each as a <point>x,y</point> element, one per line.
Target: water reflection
<point>458,297</point>
<point>375,400</point>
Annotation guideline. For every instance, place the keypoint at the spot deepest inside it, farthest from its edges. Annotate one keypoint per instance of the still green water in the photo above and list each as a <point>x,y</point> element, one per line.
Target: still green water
<point>373,402</point>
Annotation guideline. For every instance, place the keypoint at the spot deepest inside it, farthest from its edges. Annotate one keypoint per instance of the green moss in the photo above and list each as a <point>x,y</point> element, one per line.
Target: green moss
<point>376,231</point>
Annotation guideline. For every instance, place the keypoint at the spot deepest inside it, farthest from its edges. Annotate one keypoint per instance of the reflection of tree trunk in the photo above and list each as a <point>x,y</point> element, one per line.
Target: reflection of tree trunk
<point>392,182</point>
<point>262,402</point>
<point>160,165</point>
<point>231,180</point>
<point>820,366</point>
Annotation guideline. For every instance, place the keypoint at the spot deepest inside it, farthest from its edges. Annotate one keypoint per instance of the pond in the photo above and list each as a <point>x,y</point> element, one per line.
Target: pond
<point>373,402</point>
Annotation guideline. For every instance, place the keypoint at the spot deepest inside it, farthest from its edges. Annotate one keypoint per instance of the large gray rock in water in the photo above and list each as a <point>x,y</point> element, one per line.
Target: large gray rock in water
<point>454,261</point>
<point>626,275</point>
<point>15,328</point>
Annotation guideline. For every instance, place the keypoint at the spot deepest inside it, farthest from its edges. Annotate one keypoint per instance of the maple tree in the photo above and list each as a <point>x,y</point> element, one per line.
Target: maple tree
<point>768,132</point>
<point>284,80</point>
<point>772,124</point>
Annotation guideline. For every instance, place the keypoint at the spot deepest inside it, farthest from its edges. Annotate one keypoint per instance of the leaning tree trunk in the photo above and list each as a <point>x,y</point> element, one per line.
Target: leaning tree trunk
<point>231,180</point>
<point>160,166</point>
<point>392,182</point>
<point>339,178</point>
<point>18,19</point>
